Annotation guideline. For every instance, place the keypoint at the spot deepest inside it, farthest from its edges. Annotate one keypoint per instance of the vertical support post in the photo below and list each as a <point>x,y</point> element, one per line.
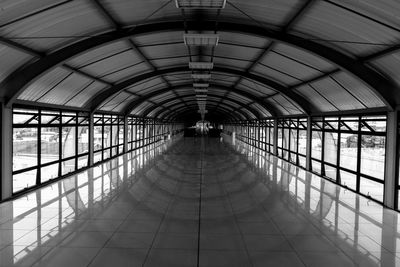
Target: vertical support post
<point>91,139</point>
<point>308,144</point>
<point>6,151</point>
<point>275,137</point>
<point>391,160</point>
<point>126,133</point>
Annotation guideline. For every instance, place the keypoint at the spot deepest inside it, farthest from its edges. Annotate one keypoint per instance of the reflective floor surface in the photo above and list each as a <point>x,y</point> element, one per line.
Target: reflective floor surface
<point>197,202</point>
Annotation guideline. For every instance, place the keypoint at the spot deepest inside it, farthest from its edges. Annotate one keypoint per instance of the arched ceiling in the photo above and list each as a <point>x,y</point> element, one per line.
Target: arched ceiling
<point>273,58</point>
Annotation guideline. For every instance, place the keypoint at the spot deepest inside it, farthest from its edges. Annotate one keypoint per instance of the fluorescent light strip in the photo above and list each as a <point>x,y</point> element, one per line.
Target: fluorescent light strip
<point>200,39</point>
<point>201,65</point>
<point>201,85</point>
<point>200,90</point>
<point>200,4</point>
<point>201,76</point>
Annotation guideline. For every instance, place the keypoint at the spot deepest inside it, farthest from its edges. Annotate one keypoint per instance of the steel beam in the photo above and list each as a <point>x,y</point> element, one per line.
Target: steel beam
<point>243,93</point>
<point>222,110</point>
<point>16,82</point>
<point>252,111</point>
<point>161,104</point>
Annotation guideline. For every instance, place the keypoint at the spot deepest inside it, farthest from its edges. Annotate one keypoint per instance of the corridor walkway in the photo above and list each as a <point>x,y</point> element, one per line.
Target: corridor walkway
<point>196,202</point>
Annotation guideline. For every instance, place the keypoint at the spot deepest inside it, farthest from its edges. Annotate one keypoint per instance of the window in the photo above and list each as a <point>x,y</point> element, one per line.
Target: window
<point>46,145</point>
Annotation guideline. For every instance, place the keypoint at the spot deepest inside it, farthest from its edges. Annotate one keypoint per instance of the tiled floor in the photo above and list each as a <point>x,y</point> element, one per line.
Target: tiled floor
<point>197,202</point>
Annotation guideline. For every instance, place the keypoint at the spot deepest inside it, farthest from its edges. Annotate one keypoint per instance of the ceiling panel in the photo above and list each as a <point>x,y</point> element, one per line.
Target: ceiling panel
<point>133,12</point>
<point>304,57</point>
<point>58,26</point>
<point>146,85</point>
<point>289,66</point>
<point>243,40</point>
<point>110,64</point>
<point>10,60</point>
<point>79,99</point>
<point>255,87</point>
<point>44,84</point>
<point>359,90</point>
<point>390,65</point>
<point>99,54</point>
<point>336,94</point>
<point>285,106</point>
<point>260,11</point>
<point>119,75</point>
<point>117,102</point>
<point>315,98</point>
<point>347,30</point>
<point>275,75</point>
<point>66,89</point>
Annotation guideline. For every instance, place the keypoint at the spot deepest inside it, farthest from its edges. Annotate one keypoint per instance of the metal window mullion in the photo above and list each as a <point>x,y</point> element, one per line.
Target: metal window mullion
<point>358,170</point>
<point>339,138</point>
<point>76,144</point>
<point>39,149</point>
<point>60,150</point>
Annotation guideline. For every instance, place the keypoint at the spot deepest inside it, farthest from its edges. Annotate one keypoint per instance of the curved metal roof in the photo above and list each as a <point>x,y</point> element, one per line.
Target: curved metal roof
<point>273,58</point>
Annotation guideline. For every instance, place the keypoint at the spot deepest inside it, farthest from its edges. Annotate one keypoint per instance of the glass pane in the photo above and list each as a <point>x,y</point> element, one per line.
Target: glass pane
<point>371,188</point>
<point>302,142</point>
<point>293,140</point>
<point>331,147</point>
<point>373,155</point>
<point>83,139</point>
<point>98,138</point>
<point>25,148</point>
<point>316,144</point>
<point>106,153</point>
<point>68,166</point>
<point>25,118</point>
<point>49,140</point>
<point>24,180</point>
<point>82,162</point>
<point>107,136</point>
<point>330,172</point>
<point>97,157</point>
<point>348,151</point>
<point>114,138</point>
<point>348,179</point>
<point>121,135</point>
<point>49,172</point>
<point>68,142</point>
<point>316,166</point>
<point>302,161</point>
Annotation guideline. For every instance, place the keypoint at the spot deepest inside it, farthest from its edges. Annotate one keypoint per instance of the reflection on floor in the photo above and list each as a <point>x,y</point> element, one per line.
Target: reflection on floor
<point>197,202</point>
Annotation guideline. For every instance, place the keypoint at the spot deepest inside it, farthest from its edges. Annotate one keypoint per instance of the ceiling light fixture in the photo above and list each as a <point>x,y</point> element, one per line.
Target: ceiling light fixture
<point>201,65</point>
<point>200,39</point>
<point>201,85</point>
<point>200,90</point>
<point>201,76</point>
<point>200,4</point>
